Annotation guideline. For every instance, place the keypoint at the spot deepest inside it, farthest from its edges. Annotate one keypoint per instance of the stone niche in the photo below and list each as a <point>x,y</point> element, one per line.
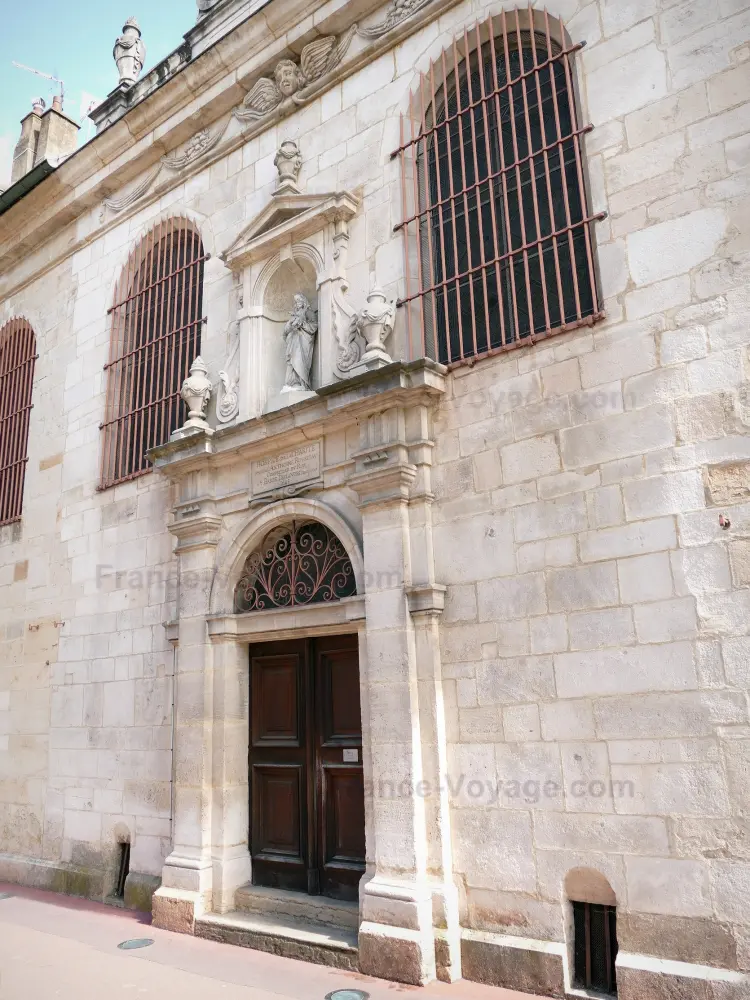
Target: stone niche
<point>290,267</point>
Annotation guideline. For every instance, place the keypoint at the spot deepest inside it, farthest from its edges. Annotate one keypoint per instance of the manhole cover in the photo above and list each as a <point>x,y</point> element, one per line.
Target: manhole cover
<point>136,943</point>
<point>348,995</point>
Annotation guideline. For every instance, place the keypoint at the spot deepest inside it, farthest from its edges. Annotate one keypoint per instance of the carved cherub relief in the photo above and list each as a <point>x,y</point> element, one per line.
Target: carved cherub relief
<point>292,81</point>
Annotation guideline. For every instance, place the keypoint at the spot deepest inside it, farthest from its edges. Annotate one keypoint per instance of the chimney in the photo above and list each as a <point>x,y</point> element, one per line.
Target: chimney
<point>25,152</point>
<point>58,134</point>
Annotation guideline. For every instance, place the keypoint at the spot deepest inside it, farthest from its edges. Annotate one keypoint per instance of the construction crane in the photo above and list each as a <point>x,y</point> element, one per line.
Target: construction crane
<point>47,76</point>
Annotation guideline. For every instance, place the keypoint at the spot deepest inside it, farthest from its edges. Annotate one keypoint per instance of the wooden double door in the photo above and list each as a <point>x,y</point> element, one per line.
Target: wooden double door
<point>307,814</point>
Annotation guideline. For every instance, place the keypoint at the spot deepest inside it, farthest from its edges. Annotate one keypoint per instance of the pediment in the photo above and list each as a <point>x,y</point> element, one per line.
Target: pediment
<point>288,219</point>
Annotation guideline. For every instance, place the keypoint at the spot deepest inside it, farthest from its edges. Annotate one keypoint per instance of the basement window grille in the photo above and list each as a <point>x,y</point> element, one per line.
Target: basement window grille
<point>595,947</point>
<point>498,236</point>
<point>123,870</point>
<point>17,361</point>
<point>156,335</point>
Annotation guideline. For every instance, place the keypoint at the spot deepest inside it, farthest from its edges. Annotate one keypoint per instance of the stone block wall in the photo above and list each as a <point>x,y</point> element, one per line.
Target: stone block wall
<point>595,636</point>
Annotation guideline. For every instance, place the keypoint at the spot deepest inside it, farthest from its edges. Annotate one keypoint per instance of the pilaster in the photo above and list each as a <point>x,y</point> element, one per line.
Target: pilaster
<point>187,876</point>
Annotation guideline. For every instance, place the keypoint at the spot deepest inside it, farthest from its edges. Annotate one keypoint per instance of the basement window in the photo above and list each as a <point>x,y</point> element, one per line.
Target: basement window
<point>595,947</point>
<point>123,870</point>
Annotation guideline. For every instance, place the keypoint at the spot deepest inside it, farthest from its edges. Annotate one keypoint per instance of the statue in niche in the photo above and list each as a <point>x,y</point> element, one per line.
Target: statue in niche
<point>299,337</point>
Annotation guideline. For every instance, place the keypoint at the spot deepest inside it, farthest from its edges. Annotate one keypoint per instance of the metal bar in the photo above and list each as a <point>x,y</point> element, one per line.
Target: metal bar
<point>439,185</point>
<point>579,171</point>
<point>507,256</point>
<point>205,257</point>
<point>160,317</point>
<point>547,175</point>
<point>462,155</point>
<point>564,185</point>
<point>497,174</point>
<point>18,358</point>
<point>532,154</point>
<point>511,277</point>
<point>512,82</point>
<point>409,346</point>
<point>427,195</point>
<point>491,198</point>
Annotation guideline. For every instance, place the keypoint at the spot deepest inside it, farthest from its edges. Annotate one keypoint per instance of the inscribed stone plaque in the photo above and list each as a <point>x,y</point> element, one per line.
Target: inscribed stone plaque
<point>302,465</point>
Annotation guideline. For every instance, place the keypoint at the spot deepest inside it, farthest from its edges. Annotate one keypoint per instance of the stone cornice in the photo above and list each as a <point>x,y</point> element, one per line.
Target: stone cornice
<point>200,532</point>
<point>426,599</point>
<point>286,623</point>
<point>205,89</point>
<point>418,383</point>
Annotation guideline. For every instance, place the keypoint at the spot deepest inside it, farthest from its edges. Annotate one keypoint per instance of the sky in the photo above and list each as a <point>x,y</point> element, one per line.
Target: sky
<point>73,41</point>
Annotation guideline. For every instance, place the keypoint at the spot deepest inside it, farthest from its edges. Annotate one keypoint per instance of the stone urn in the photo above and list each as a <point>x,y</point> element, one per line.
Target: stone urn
<point>375,322</point>
<point>196,392</point>
<point>288,162</point>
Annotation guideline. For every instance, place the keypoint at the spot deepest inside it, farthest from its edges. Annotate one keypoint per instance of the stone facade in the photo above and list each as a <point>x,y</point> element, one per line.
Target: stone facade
<point>552,544</point>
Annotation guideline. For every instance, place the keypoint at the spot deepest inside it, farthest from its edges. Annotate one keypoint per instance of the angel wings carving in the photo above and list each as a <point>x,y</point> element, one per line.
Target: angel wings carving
<point>292,81</point>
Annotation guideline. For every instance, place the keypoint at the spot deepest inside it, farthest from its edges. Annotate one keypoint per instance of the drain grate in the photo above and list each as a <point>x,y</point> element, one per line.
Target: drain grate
<point>136,943</point>
<point>348,995</point>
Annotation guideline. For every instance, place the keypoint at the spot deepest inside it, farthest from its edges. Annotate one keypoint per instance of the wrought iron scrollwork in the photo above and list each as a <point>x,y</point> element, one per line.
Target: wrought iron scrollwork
<point>297,564</point>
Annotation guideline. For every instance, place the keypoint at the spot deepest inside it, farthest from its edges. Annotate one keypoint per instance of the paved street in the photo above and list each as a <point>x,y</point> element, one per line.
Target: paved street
<point>54,946</point>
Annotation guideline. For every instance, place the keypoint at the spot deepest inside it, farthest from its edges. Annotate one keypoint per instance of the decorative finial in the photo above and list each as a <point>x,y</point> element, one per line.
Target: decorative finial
<point>196,392</point>
<point>288,162</point>
<point>375,322</point>
<point>129,52</point>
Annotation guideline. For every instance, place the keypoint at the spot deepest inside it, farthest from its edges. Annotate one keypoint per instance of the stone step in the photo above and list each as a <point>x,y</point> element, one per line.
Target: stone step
<point>335,947</point>
<point>297,905</point>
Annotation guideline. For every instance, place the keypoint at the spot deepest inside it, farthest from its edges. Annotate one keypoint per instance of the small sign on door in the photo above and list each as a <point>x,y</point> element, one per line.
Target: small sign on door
<point>351,756</point>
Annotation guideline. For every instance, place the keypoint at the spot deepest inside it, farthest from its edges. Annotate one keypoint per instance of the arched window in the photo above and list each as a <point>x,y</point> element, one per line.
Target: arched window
<point>298,563</point>
<point>499,242</point>
<point>156,335</point>
<point>17,359</point>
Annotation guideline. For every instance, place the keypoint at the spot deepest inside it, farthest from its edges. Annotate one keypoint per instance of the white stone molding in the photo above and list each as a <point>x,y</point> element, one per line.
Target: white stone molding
<point>294,83</point>
<point>233,550</point>
<point>398,11</point>
<point>126,200</point>
<point>288,219</point>
<point>288,249</point>
<point>227,391</point>
<point>337,618</point>
<point>196,147</point>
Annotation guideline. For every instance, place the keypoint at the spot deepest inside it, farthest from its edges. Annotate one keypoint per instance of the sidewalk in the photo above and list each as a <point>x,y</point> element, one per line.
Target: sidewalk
<point>55,946</point>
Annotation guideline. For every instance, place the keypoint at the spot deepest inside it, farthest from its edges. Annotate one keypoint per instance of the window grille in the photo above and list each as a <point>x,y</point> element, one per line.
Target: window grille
<point>17,360</point>
<point>156,335</point>
<point>498,236</point>
<point>296,564</point>
<point>595,947</point>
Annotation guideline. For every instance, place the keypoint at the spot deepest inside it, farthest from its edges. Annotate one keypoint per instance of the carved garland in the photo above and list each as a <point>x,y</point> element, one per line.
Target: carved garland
<point>296,565</point>
<point>292,84</point>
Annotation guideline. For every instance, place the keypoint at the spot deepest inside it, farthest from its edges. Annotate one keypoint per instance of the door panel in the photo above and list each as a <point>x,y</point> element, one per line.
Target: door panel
<point>341,805</point>
<point>276,702</point>
<point>345,816</point>
<point>279,765</point>
<point>277,810</point>
<point>306,779</point>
